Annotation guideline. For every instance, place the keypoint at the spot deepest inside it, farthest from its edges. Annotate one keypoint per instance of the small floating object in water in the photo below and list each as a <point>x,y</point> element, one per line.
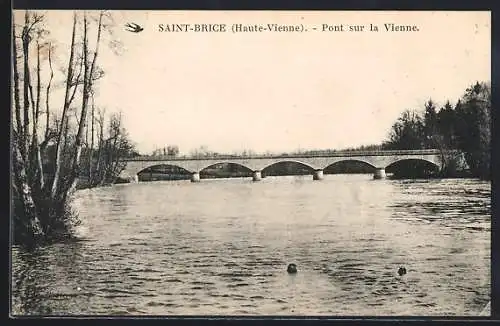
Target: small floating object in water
<point>78,288</point>
<point>401,271</point>
<point>291,269</point>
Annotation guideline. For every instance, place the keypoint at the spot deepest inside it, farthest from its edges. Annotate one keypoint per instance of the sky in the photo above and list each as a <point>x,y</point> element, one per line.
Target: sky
<point>280,91</point>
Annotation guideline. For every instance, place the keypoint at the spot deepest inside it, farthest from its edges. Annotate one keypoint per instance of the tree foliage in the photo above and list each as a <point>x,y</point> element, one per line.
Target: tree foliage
<point>473,134</point>
<point>465,127</point>
<point>170,150</point>
<point>407,132</point>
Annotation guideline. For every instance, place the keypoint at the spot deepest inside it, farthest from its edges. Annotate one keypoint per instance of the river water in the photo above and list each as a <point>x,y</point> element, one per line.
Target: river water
<point>222,247</point>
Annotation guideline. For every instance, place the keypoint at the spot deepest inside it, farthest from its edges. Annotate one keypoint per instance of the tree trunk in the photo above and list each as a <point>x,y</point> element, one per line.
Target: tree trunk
<point>26,157</point>
<point>34,144</point>
<point>107,161</point>
<point>75,166</point>
<point>31,227</point>
<point>26,100</point>
<point>87,87</point>
<point>47,95</point>
<point>111,163</point>
<point>99,151</point>
<point>91,150</point>
<point>69,79</point>
<point>17,98</point>
<point>86,144</point>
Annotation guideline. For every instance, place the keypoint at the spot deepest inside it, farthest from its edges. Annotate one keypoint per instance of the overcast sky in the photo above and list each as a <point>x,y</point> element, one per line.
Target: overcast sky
<point>282,91</point>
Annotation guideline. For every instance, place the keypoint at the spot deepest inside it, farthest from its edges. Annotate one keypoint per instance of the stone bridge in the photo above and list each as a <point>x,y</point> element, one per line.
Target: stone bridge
<point>379,160</point>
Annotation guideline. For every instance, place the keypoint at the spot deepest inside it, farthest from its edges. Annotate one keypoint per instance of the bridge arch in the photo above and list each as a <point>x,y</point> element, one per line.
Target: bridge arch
<point>177,167</point>
<point>423,159</point>
<point>364,163</point>
<point>225,169</point>
<point>172,170</point>
<point>309,167</point>
<point>413,167</point>
<point>226,162</point>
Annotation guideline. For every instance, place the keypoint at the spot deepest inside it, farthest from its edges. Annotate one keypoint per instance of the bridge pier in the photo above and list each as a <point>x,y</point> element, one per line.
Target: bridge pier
<point>195,177</point>
<point>135,179</point>
<point>318,175</point>
<point>257,175</point>
<point>379,173</point>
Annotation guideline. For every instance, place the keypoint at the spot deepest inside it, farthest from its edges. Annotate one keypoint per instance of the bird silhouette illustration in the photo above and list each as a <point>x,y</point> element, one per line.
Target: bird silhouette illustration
<point>133,27</point>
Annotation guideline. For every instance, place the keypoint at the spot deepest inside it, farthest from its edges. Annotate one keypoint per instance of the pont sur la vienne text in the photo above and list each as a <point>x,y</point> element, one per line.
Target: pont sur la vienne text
<point>260,28</point>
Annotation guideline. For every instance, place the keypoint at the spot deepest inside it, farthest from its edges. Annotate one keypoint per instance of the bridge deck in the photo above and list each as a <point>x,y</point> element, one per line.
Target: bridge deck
<point>285,156</point>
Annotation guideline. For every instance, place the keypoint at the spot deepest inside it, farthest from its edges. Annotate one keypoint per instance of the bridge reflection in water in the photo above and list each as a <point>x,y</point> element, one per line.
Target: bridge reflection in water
<point>379,161</point>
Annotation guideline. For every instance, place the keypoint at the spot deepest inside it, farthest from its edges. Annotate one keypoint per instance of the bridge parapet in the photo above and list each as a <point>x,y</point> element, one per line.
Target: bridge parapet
<point>285,156</point>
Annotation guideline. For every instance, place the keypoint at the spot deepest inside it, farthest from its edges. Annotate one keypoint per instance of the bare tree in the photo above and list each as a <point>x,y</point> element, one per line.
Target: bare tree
<point>89,68</point>
<point>40,204</point>
<point>116,146</point>
<point>67,102</point>
<point>24,147</point>
<point>100,122</point>
<point>91,148</point>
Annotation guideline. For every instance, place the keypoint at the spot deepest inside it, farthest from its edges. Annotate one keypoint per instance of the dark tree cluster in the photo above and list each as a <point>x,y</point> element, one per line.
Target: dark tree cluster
<point>462,129</point>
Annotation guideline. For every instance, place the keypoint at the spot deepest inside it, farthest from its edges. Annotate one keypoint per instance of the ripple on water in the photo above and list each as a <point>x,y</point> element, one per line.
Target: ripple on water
<point>223,247</point>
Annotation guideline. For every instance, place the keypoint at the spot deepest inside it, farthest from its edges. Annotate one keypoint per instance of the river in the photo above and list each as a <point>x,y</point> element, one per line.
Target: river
<point>222,246</point>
